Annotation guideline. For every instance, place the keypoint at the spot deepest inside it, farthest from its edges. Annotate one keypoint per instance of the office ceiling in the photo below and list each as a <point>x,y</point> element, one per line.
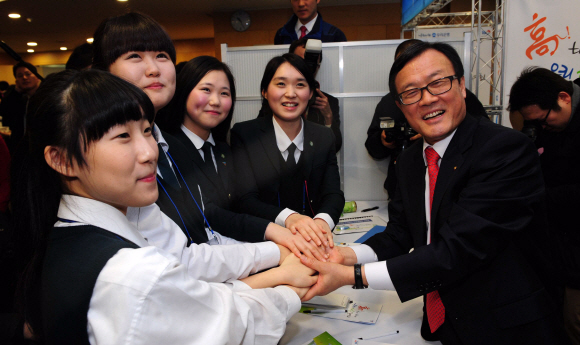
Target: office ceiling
<point>68,23</point>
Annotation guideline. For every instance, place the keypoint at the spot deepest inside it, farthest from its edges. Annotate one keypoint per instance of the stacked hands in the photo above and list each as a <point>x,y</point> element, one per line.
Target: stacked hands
<point>310,264</point>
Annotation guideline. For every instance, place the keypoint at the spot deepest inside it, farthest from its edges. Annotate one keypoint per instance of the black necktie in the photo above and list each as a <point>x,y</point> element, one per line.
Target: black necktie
<point>291,160</point>
<point>206,148</point>
<point>165,169</point>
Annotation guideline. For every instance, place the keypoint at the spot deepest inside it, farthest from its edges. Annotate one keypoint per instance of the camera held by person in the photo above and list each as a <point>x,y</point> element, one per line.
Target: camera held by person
<point>397,132</point>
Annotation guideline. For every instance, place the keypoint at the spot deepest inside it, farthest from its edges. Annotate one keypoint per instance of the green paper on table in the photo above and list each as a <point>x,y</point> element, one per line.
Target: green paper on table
<point>324,339</point>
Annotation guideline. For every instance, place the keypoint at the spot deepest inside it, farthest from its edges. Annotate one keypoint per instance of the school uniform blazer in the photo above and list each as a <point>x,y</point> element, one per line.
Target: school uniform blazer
<point>489,189</point>
<point>221,186</point>
<point>258,162</point>
<point>241,227</point>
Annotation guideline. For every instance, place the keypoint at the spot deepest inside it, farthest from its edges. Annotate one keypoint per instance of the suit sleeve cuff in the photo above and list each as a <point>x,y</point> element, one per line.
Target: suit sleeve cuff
<point>378,276</point>
<point>281,219</point>
<point>326,217</point>
<point>269,255</point>
<point>364,254</point>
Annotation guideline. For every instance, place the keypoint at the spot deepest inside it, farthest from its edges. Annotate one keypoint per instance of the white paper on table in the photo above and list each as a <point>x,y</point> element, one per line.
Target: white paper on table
<point>358,224</point>
<point>330,301</point>
<point>360,312</point>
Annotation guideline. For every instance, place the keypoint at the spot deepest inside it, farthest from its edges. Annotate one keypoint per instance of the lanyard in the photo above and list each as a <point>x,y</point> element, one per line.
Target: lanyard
<point>305,197</point>
<point>187,186</point>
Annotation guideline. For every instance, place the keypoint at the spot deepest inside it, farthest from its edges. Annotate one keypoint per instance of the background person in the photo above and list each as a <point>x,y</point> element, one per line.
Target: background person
<point>81,57</point>
<point>550,104</point>
<point>14,102</point>
<point>307,22</point>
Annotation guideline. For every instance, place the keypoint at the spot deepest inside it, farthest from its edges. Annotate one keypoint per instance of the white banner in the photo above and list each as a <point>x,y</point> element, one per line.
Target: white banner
<point>541,33</point>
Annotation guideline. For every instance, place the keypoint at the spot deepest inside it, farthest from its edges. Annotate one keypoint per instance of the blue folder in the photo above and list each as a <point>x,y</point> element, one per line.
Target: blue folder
<point>375,230</point>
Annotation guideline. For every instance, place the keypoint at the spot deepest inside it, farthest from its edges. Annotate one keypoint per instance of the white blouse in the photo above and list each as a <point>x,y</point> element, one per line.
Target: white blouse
<point>168,293</point>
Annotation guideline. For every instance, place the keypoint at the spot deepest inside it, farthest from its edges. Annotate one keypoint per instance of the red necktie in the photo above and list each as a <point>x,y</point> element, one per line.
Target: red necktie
<point>435,307</point>
<point>302,31</point>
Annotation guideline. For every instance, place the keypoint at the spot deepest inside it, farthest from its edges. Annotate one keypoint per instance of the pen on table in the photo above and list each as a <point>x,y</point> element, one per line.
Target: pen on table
<point>321,311</point>
<point>370,209</point>
<point>379,336</point>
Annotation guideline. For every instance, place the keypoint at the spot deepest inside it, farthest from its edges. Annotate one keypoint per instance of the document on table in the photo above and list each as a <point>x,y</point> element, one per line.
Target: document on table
<point>330,301</point>
<point>360,312</point>
<point>349,225</point>
<point>367,342</point>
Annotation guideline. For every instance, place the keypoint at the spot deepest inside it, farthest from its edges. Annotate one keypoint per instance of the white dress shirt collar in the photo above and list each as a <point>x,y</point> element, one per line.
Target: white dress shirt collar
<point>160,140</point>
<point>282,139</point>
<point>308,26</point>
<point>85,211</point>
<point>195,139</point>
<point>440,147</point>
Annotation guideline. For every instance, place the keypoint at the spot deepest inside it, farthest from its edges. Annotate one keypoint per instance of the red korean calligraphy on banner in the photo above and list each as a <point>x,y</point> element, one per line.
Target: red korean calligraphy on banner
<point>540,43</point>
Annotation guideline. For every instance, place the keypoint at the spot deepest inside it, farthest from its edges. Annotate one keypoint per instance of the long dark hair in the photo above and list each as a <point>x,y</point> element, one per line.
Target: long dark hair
<point>70,110</point>
<point>133,31</point>
<point>271,68</point>
<point>171,117</point>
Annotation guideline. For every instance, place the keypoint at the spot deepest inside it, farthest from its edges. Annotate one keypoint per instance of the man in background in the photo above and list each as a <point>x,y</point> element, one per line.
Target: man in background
<point>15,102</point>
<point>307,22</point>
<point>549,105</point>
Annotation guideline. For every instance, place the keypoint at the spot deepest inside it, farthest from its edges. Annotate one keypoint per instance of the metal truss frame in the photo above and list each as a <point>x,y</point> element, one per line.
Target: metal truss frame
<point>477,20</point>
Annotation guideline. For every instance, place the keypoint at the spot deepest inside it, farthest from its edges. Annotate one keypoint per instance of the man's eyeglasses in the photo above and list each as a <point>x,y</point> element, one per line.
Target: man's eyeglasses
<point>544,121</point>
<point>436,87</point>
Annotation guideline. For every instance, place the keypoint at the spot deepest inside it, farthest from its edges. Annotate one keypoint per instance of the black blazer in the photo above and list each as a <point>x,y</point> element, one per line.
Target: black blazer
<point>238,226</point>
<point>220,189</point>
<point>258,171</point>
<point>485,206</point>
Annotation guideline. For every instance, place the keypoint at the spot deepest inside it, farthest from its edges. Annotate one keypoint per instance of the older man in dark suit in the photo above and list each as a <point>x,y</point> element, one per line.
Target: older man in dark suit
<point>466,204</point>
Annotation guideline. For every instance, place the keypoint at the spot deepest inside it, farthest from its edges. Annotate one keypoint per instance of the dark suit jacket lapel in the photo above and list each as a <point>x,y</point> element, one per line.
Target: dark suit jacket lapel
<point>415,172</point>
<point>309,146</point>
<point>268,140</point>
<point>193,153</point>
<point>452,160</point>
<point>221,159</point>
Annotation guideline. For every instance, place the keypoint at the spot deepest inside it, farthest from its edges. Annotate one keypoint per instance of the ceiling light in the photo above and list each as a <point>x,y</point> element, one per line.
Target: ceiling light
<point>14,15</point>
<point>32,44</point>
<point>30,50</point>
<point>90,40</point>
<point>62,48</point>
<point>122,0</point>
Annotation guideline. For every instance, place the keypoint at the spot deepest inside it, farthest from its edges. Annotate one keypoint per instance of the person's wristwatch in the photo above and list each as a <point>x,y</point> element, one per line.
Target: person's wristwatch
<point>358,281</point>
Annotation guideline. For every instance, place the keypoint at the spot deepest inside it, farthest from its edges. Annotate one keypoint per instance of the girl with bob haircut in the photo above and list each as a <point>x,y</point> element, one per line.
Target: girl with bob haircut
<point>88,161</point>
<point>286,167</point>
<point>199,116</point>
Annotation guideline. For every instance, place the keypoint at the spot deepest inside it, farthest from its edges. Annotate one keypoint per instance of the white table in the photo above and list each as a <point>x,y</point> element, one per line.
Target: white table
<point>405,317</point>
